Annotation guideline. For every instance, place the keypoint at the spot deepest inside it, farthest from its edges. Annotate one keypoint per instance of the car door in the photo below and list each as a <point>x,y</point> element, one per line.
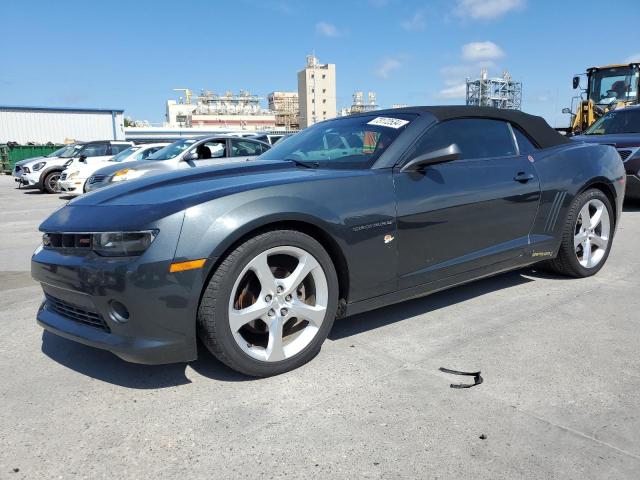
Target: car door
<point>457,216</point>
<point>243,149</point>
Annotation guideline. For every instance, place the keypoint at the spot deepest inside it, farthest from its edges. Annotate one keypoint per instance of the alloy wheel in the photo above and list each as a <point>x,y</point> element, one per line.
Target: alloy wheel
<point>592,233</point>
<point>278,303</point>
<point>53,182</point>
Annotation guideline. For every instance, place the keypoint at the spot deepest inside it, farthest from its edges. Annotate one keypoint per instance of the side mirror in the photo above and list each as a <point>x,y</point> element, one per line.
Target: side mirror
<point>191,156</point>
<point>446,154</point>
<point>576,82</point>
<point>82,158</point>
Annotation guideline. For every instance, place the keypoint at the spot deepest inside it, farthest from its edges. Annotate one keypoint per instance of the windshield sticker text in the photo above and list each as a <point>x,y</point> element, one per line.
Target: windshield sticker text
<point>388,122</point>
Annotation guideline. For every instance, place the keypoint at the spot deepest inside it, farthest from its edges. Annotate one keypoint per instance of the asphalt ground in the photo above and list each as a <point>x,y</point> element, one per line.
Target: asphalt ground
<point>560,397</point>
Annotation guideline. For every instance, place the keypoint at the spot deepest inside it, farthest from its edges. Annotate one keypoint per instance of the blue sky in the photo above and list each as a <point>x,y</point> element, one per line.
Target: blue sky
<point>132,54</point>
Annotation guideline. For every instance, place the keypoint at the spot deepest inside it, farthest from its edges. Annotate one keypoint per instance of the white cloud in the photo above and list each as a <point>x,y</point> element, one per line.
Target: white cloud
<point>455,92</point>
<point>327,29</point>
<point>388,65</point>
<point>415,23</point>
<point>486,9</point>
<point>634,58</point>
<point>481,51</point>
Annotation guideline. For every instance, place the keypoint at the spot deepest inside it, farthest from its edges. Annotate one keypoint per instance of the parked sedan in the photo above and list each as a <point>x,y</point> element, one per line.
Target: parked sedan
<point>621,129</point>
<point>351,214</point>
<point>73,180</point>
<point>199,152</point>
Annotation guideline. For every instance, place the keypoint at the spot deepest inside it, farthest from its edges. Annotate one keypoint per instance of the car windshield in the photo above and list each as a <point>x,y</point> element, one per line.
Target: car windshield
<point>355,141</point>
<point>70,151</point>
<point>172,151</point>
<point>124,154</point>
<point>616,121</point>
<point>59,152</point>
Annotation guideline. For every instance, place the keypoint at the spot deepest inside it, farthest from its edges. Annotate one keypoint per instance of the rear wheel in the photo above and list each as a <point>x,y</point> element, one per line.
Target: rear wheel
<point>586,237</point>
<point>270,304</point>
<point>50,182</point>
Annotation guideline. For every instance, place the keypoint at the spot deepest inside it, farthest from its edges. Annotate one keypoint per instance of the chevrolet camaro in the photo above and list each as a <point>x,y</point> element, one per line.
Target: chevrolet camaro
<point>258,259</point>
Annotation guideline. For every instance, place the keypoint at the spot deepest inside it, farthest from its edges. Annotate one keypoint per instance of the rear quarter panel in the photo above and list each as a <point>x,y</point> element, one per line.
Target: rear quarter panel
<point>564,173</point>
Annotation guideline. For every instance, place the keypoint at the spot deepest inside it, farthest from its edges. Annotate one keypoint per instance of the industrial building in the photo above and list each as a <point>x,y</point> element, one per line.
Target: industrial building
<point>230,111</point>
<point>359,105</point>
<point>316,92</point>
<point>25,124</point>
<point>501,92</point>
<point>286,108</point>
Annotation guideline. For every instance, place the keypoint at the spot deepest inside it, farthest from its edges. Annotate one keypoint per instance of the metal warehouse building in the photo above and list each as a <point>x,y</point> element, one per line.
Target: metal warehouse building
<point>24,124</point>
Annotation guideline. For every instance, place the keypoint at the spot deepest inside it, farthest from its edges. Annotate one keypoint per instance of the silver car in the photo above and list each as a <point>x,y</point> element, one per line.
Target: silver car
<point>187,153</point>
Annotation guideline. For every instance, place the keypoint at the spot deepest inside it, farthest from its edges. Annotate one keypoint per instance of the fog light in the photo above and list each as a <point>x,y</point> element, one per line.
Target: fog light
<point>118,312</point>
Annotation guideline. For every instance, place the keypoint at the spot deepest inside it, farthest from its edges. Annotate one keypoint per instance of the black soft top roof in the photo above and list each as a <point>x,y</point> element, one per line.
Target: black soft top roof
<point>535,127</point>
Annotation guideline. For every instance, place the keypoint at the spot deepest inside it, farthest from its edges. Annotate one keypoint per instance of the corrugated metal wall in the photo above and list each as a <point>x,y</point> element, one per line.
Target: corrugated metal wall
<point>58,126</point>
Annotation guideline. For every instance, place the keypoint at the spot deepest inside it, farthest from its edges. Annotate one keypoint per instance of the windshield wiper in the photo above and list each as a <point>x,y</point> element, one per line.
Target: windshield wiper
<point>304,164</point>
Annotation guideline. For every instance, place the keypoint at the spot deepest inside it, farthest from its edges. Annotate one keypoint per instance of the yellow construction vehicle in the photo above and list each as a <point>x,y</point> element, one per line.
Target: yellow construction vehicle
<point>608,87</point>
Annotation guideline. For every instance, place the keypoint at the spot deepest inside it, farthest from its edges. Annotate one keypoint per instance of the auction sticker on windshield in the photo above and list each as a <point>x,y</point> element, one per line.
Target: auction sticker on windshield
<point>388,122</point>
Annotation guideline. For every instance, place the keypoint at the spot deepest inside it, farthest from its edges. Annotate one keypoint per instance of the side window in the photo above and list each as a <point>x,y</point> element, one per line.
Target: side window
<point>143,155</point>
<point>212,149</point>
<point>118,147</point>
<point>525,145</point>
<point>476,138</point>
<point>245,148</point>
<point>95,150</point>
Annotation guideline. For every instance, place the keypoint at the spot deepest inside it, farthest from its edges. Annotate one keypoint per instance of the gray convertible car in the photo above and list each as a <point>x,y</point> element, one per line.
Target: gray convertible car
<point>351,214</point>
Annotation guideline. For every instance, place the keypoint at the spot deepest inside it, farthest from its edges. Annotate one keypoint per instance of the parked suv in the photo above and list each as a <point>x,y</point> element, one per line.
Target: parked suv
<point>34,171</point>
<point>46,174</point>
<point>187,153</point>
<point>73,180</point>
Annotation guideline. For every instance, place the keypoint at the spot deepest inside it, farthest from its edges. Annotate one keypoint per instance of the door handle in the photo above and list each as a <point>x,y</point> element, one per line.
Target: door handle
<point>523,177</point>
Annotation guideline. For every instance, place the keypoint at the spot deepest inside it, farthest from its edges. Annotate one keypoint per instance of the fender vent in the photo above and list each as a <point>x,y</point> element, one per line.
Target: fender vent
<point>554,212</point>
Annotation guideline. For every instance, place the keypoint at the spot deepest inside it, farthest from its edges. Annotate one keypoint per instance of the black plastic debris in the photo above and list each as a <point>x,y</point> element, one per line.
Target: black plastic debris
<point>477,379</point>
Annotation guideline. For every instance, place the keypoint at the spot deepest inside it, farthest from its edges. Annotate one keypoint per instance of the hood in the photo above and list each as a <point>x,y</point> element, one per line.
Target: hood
<point>618,140</point>
<point>149,199</point>
<point>109,168</point>
<point>27,161</point>
<point>192,186</point>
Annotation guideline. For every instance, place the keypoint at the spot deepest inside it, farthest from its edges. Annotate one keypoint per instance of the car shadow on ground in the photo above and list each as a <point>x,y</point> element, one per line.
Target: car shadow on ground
<point>631,206</point>
<point>105,366</point>
<point>384,316</point>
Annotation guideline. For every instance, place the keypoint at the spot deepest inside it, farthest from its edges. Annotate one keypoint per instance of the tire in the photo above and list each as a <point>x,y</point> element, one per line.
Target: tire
<point>48,184</point>
<point>300,306</point>
<point>571,260</point>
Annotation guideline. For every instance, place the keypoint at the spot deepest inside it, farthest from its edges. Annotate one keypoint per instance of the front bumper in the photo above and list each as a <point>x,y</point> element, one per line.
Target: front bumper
<point>72,187</point>
<point>30,179</point>
<point>633,187</point>
<point>81,288</point>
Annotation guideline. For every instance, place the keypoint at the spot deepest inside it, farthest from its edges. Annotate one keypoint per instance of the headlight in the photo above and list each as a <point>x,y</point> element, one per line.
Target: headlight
<point>72,175</point>
<point>38,166</point>
<point>126,174</point>
<point>122,244</point>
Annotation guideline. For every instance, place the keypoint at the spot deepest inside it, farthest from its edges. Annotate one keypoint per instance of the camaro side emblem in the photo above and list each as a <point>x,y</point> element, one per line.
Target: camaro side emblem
<point>530,158</point>
<point>388,238</point>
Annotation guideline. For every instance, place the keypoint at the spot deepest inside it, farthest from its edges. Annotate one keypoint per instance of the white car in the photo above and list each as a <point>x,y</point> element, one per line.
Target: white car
<point>73,180</point>
<point>44,172</point>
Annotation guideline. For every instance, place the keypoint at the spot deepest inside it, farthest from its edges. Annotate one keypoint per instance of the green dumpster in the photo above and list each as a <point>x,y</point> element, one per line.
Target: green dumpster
<point>11,153</point>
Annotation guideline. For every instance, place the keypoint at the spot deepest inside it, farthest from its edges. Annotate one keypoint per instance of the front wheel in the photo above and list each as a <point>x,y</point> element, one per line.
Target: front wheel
<point>270,304</point>
<point>586,236</point>
<point>50,182</point>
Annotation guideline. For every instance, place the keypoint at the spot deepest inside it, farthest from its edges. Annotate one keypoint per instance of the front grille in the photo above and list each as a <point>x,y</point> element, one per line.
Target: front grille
<point>75,312</point>
<point>63,176</point>
<point>67,240</point>
<point>18,168</point>
<point>624,154</point>
<point>96,179</point>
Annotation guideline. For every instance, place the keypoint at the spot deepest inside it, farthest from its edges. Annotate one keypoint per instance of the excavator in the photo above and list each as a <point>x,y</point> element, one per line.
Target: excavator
<point>608,88</point>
